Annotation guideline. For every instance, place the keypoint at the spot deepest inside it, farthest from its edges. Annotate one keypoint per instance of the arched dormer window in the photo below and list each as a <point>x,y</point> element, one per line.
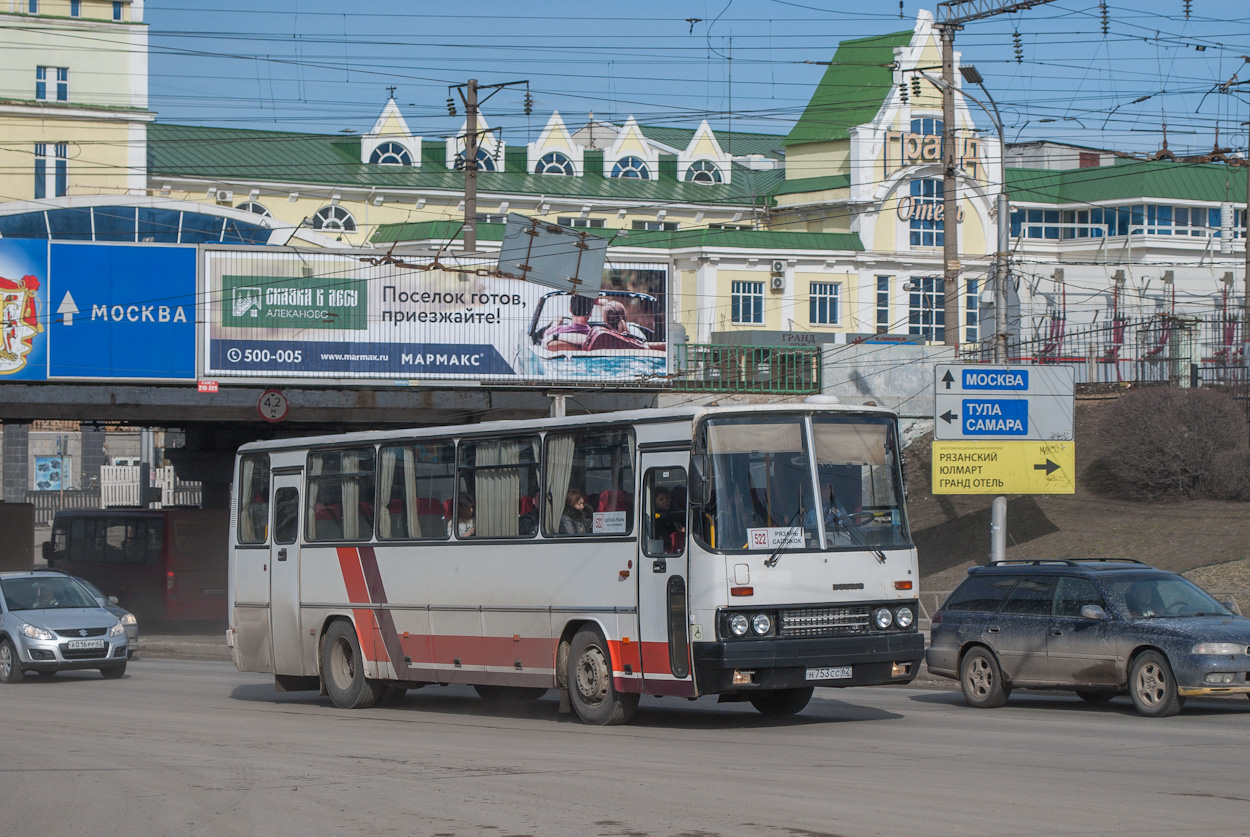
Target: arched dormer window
<point>484,161</point>
<point>334,219</point>
<point>255,208</point>
<point>554,163</point>
<point>631,167</point>
<point>703,171</point>
<point>390,154</point>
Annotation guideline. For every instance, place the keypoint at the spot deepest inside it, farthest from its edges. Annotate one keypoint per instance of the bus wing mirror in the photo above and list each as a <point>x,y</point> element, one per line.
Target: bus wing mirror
<point>697,496</point>
<point>47,552</point>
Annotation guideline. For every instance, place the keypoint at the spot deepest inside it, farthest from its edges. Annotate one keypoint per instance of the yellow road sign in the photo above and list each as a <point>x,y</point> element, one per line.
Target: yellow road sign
<point>1012,467</point>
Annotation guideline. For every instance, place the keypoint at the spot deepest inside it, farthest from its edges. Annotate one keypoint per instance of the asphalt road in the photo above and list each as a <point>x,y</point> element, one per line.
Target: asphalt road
<point>196,748</point>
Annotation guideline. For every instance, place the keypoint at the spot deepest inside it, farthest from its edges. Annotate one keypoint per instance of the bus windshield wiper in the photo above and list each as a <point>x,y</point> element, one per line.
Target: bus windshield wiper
<point>844,519</point>
<point>771,560</point>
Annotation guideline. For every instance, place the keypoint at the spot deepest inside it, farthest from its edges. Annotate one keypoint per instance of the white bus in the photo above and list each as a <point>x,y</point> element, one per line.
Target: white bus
<point>747,552</point>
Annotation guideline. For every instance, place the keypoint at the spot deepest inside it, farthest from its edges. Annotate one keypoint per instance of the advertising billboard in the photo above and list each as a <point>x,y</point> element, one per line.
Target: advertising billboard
<point>281,314</point>
<point>23,310</point>
<point>84,311</point>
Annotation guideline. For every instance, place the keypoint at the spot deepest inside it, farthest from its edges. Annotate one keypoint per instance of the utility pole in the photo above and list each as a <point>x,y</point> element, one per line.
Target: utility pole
<point>468,95</point>
<point>470,167</point>
<point>951,17</point>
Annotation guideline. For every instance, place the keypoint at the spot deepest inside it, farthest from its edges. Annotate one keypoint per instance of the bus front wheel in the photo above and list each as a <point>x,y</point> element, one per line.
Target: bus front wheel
<point>591,690</point>
<point>782,701</point>
<point>343,669</point>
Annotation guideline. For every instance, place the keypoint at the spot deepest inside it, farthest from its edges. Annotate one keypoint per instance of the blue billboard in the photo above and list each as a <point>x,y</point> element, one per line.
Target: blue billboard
<point>121,312</point>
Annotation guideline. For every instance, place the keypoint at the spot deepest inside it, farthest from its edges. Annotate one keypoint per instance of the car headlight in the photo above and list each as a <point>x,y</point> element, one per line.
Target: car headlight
<point>1219,648</point>
<point>129,619</point>
<point>738,625</point>
<point>904,617</point>
<point>117,630</point>
<point>883,618</point>
<point>761,624</point>
<point>36,632</point>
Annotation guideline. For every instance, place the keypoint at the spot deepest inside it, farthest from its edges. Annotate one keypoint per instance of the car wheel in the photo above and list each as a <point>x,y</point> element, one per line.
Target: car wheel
<point>1152,686</point>
<point>343,669</point>
<point>1095,697</point>
<point>982,680</point>
<point>779,702</point>
<point>10,667</point>
<point>113,672</point>
<point>591,690</point>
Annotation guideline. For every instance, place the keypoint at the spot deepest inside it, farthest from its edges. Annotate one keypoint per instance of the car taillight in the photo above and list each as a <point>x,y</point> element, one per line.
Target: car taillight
<point>169,580</point>
<point>937,618</point>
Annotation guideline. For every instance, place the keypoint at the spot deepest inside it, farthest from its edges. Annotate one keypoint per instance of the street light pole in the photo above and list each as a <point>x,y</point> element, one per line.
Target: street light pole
<point>1001,274</point>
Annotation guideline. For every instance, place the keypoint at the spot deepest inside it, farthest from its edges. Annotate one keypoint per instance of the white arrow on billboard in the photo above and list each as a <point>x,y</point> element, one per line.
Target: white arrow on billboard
<point>67,308</point>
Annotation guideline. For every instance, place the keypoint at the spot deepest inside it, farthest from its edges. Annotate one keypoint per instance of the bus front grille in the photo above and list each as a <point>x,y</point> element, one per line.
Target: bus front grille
<point>823,621</point>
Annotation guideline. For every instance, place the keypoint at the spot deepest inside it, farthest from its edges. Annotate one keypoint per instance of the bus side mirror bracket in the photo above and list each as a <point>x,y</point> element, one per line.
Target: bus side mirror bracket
<point>697,495</point>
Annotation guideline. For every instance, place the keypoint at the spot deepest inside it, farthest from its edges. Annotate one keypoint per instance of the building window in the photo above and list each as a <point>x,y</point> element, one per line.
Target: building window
<point>665,226</point>
<point>729,227</point>
<point>484,161</point>
<point>334,218</point>
<point>883,304</point>
<point>973,316</point>
<point>487,218</point>
<point>33,7</point>
<point>75,8</point>
<point>928,125</point>
<point>591,223</point>
<point>51,181</point>
<point>926,201</point>
<point>554,163</point>
<point>747,302</point>
<point>44,74</point>
<point>925,314</point>
<point>117,10</point>
<point>631,167</point>
<point>390,154</point>
<point>823,302</point>
<point>255,208</point>
<point>703,171</point>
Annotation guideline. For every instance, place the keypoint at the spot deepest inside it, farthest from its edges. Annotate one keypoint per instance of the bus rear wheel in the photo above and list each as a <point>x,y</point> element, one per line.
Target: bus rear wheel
<point>591,690</point>
<point>782,701</point>
<point>343,669</point>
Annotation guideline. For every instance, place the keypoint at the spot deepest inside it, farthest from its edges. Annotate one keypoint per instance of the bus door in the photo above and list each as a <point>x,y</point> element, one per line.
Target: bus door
<point>284,610</point>
<point>663,621</point>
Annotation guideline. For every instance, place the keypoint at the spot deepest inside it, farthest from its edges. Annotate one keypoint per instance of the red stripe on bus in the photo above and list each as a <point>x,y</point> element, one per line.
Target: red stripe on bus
<point>372,647</point>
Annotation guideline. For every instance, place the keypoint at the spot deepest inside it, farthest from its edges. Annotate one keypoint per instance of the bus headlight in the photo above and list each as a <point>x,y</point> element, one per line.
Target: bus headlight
<point>903,617</point>
<point>738,625</point>
<point>883,618</point>
<point>761,624</point>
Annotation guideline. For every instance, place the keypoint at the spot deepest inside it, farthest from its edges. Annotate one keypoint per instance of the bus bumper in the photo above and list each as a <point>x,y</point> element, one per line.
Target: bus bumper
<point>763,664</point>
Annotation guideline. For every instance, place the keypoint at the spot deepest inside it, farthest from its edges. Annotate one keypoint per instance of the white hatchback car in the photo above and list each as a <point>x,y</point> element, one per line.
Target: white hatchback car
<point>49,623</point>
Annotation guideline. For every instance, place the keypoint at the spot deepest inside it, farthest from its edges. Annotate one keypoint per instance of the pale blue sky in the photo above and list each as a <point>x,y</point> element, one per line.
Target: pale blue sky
<point>322,66</point>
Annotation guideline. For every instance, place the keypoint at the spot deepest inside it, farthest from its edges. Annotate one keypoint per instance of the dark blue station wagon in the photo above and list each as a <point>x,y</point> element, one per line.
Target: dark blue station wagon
<point>1100,627</point>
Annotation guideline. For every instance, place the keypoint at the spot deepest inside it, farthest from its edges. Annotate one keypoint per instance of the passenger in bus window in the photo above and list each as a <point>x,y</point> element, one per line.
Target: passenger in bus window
<point>464,517</point>
<point>668,518</point>
<point>577,516</point>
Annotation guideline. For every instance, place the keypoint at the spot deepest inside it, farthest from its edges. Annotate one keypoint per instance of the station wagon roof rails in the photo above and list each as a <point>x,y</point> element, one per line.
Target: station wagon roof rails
<point>1070,562</point>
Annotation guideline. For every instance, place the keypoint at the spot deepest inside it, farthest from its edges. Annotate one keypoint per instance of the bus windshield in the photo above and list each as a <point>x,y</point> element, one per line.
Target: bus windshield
<point>777,482</point>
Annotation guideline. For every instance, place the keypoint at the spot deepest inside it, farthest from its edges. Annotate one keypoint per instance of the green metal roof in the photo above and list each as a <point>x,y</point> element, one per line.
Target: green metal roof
<point>642,239</point>
<point>815,184</point>
<point>852,90</point>
<point>1157,179</point>
<point>738,143</point>
<point>250,155</point>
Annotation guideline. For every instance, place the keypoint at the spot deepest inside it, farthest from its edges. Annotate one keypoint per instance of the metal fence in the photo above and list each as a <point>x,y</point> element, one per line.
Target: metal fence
<point>706,367</point>
<point>1164,348</point>
<point>48,503</point>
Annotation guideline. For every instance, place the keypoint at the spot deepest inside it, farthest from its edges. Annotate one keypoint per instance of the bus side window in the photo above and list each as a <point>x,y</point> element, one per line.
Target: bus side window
<point>664,523</point>
<point>253,499</point>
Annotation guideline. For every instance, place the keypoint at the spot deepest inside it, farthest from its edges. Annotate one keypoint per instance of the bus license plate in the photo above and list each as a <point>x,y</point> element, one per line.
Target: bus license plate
<point>838,673</point>
<point>83,644</point>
